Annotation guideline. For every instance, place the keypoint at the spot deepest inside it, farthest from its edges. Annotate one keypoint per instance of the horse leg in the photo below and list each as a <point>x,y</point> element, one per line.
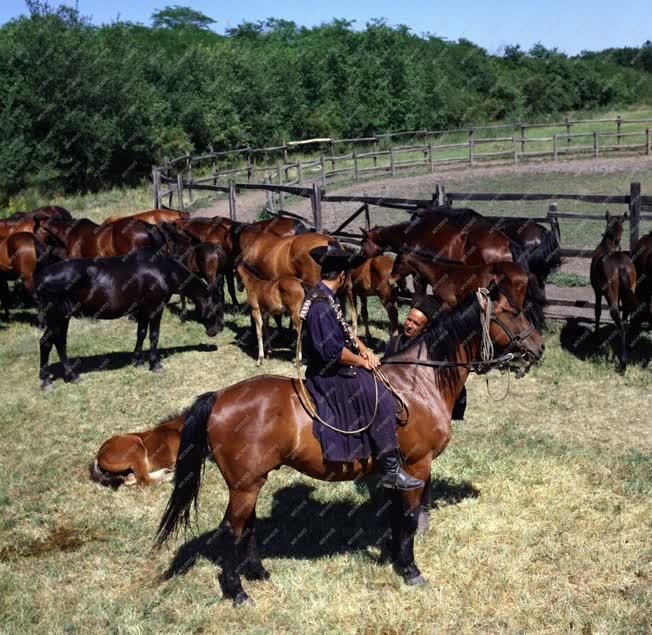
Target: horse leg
<point>154,329</point>
<point>365,315</point>
<point>61,342</point>
<point>184,309</point>
<point>405,522</point>
<point>140,338</point>
<point>622,330</point>
<point>392,313</point>
<point>598,309</point>
<point>4,296</point>
<point>242,504</point>
<point>424,508</point>
<point>258,322</point>
<point>230,285</point>
<point>253,568</point>
<point>45,347</point>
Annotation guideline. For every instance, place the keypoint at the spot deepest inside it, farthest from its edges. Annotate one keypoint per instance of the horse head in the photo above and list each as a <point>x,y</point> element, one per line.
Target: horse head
<point>369,246</point>
<point>614,231</point>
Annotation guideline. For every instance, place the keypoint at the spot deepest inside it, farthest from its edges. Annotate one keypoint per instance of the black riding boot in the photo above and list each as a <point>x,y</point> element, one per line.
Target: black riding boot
<point>392,475</point>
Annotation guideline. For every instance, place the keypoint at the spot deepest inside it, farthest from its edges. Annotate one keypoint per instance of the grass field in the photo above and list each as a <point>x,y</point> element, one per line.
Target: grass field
<point>541,519</point>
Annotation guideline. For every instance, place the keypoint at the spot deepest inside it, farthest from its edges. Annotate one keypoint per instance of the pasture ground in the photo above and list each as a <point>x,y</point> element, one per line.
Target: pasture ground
<point>541,517</point>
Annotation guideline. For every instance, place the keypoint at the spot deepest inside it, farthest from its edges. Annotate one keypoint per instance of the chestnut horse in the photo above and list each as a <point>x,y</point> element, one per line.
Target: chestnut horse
<point>283,296</point>
<point>140,284</point>
<point>452,280</point>
<point>153,217</point>
<point>83,238</point>
<point>261,424</point>
<point>371,278</point>
<point>139,458</point>
<point>613,275</point>
<point>21,255</point>
<point>24,221</point>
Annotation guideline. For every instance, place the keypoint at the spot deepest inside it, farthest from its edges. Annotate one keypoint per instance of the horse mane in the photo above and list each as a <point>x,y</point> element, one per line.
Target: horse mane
<point>546,257</point>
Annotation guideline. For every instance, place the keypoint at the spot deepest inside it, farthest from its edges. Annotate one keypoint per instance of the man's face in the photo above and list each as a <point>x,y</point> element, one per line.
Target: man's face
<point>414,323</point>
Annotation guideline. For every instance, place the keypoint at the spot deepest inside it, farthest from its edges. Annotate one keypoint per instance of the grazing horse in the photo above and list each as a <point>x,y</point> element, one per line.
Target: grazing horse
<point>642,258</point>
<point>153,217</point>
<point>283,296</point>
<point>371,278</point>
<point>205,259</point>
<point>470,243</point>
<point>21,255</point>
<point>613,276</point>
<point>83,238</point>
<point>452,280</point>
<point>140,284</point>
<point>139,458</point>
<point>261,424</point>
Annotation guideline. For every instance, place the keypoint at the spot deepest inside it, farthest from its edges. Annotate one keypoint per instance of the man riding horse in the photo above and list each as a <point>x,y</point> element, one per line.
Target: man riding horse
<point>355,413</point>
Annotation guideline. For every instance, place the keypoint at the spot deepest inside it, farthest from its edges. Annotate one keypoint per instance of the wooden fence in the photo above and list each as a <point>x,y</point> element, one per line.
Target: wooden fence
<point>384,158</point>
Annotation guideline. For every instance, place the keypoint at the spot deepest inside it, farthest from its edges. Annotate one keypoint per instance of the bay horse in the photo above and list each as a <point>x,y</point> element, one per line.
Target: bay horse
<point>48,211</point>
<point>82,238</point>
<point>153,217</point>
<point>473,244</point>
<point>139,458</point>
<point>451,280</point>
<point>283,296</point>
<point>261,424</point>
<point>21,256</point>
<point>371,278</point>
<point>139,284</point>
<point>642,258</point>
<point>16,225</point>
<point>613,275</point>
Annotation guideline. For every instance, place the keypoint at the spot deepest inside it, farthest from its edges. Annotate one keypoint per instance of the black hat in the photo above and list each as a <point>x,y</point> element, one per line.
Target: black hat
<point>335,259</point>
<point>426,304</point>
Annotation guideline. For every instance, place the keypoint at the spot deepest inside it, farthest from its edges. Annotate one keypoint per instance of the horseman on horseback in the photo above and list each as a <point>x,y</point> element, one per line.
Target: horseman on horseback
<point>355,413</point>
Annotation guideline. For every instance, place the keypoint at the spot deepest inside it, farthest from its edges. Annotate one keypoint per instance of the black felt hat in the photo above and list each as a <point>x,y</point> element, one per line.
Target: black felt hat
<point>335,259</point>
<point>426,304</point>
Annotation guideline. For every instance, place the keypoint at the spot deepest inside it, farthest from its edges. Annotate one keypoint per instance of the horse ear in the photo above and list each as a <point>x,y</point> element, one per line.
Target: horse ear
<point>363,230</point>
<point>607,216</point>
<point>494,292</point>
<point>625,216</point>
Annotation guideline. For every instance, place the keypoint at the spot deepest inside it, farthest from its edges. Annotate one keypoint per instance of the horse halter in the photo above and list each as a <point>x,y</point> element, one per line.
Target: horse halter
<point>519,337</point>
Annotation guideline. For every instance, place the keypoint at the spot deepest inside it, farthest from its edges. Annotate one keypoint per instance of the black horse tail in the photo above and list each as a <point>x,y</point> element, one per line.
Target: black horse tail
<point>107,479</point>
<point>189,468</point>
<point>546,256</point>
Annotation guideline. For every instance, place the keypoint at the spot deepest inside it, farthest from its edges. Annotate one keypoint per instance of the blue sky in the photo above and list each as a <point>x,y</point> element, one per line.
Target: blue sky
<point>570,25</point>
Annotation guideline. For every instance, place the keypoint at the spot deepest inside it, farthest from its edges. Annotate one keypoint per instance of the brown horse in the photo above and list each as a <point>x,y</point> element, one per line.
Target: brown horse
<point>283,296</point>
<point>372,279</point>
<point>451,281</point>
<point>260,424</point>
<point>12,225</point>
<point>139,458</point>
<point>642,258</point>
<point>48,211</point>
<point>153,217</point>
<point>613,276</point>
<point>83,238</point>
<point>21,256</point>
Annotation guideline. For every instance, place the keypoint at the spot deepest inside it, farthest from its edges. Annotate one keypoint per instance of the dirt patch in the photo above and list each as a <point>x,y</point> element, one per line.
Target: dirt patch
<point>61,539</point>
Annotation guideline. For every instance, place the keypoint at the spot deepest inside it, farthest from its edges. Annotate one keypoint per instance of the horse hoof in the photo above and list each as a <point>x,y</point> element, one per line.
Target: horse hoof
<point>157,369</point>
<point>242,599</point>
<point>258,573</point>
<point>138,363</point>
<point>47,387</point>
<point>75,380</point>
<point>417,580</point>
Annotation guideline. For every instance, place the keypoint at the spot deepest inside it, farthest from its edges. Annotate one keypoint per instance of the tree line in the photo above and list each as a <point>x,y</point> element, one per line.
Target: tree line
<point>92,106</point>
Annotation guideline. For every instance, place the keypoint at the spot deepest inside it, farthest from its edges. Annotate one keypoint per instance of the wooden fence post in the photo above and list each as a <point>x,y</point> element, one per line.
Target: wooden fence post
<point>332,147</point>
<point>375,150</point>
<point>269,194</point>
<point>391,161</point>
<point>471,140</point>
<point>634,213</point>
<point>618,124</point>
<point>430,159</point>
<point>554,147</point>
<point>367,218</point>
<point>596,151</point>
<point>213,164</point>
<point>322,166</point>
<point>554,221</point>
<point>180,190</point>
<point>249,167</point>
<point>189,166</point>
<point>647,141</point>
<point>522,138</point>
<point>356,173</point>
<point>568,131</point>
<point>316,206</point>
<point>299,173</point>
<point>157,187</point>
<point>232,199</point>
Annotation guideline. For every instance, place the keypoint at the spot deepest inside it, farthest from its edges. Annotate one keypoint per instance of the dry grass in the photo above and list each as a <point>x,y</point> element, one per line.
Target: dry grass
<point>542,520</point>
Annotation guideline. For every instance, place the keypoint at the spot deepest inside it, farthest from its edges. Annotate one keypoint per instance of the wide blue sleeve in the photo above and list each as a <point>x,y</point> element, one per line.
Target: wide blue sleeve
<point>325,333</point>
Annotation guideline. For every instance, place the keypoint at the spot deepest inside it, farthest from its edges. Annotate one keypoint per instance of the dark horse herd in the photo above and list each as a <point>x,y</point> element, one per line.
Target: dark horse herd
<point>488,276</point>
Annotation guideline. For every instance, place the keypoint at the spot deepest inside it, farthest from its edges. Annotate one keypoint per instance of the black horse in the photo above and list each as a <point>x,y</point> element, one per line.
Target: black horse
<point>139,284</point>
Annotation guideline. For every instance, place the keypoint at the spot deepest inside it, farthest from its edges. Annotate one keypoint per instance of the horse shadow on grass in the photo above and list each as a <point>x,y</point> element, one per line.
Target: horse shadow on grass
<point>302,528</point>
<point>282,341</point>
<point>587,344</point>
<point>122,359</point>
